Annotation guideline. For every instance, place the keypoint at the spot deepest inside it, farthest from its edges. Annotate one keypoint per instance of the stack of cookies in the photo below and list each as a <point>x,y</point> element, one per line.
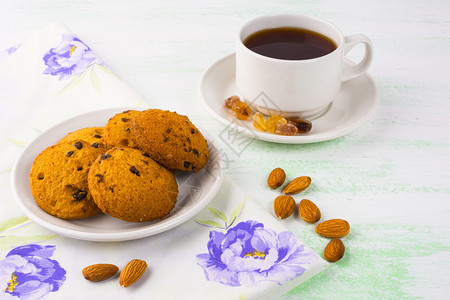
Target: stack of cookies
<point>122,169</point>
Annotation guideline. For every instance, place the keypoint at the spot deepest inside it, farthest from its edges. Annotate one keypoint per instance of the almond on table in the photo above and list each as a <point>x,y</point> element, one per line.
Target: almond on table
<point>276,178</point>
<point>297,185</point>
<point>99,272</point>
<point>335,250</point>
<point>132,272</point>
<point>284,206</point>
<point>308,211</point>
<point>333,228</point>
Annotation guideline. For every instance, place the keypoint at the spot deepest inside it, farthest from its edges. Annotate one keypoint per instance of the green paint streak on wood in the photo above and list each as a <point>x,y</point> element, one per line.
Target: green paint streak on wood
<point>339,171</point>
<point>379,259</point>
<point>419,144</point>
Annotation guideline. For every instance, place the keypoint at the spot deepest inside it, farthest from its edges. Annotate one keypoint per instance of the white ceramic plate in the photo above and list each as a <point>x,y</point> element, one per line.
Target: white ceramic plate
<point>196,190</point>
<point>354,105</point>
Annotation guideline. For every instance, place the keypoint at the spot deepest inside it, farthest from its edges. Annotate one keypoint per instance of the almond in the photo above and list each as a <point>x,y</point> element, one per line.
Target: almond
<point>297,185</point>
<point>308,211</point>
<point>333,228</point>
<point>284,206</point>
<point>276,178</point>
<point>99,272</point>
<point>132,272</point>
<point>335,250</point>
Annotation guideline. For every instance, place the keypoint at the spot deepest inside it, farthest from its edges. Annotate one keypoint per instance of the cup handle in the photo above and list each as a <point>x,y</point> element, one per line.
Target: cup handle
<point>350,72</point>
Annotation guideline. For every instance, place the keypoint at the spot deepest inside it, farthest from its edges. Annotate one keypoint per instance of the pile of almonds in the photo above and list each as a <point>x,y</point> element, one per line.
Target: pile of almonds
<point>285,205</point>
<point>129,275</point>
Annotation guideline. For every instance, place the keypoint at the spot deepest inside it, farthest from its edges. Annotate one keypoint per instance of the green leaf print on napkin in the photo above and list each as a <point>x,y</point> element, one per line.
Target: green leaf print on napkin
<point>218,213</point>
<point>17,143</point>
<point>10,228</point>
<point>95,81</point>
<point>12,223</point>
<point>227,222</point>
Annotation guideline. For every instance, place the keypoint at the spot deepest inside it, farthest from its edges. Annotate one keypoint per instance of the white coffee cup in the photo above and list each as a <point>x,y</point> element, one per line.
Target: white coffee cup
<point>303,88</point>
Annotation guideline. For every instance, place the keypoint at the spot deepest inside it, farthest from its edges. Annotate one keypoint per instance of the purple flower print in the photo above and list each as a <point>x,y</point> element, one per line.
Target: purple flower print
<point>71,57</point>
<point>27,272</point>
<point>248,254</point>
<point>9,51</point>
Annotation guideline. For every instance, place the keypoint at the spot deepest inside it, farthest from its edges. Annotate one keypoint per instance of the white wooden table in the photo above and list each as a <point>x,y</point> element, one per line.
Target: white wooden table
<point>389,178</point>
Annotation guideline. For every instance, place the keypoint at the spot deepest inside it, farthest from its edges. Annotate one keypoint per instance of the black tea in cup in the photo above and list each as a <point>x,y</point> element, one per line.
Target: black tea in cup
<point>290,43</point>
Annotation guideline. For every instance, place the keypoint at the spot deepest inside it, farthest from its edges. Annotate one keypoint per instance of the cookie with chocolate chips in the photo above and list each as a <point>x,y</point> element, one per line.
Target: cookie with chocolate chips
<point>127,184</point>
<point>170,139</point>
<point>58,179</point>
<point>91,135</point>
<point>118,132</point>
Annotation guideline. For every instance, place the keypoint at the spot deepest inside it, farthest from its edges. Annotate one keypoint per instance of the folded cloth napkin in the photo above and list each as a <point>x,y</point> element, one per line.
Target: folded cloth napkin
<point>233,249</point>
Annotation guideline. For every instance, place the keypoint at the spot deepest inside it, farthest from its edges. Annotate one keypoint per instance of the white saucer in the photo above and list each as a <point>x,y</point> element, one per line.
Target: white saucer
<point>196,190</point>
<point>354,105</point>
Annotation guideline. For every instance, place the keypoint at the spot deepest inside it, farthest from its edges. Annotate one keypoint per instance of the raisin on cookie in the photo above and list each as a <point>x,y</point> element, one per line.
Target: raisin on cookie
<point>170,139</point>
<point>127,184</point>
<point>58,180</point>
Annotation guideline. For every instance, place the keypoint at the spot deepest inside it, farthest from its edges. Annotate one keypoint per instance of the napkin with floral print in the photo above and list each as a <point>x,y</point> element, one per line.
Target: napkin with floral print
<point>233,249</point>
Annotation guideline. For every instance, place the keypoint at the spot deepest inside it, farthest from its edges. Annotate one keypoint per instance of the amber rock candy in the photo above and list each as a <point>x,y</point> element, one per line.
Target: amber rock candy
<point>272,122</point>
<point>286,129</point>
<point>259,121</point>
<point>229,102</point>
<point>241,110</point>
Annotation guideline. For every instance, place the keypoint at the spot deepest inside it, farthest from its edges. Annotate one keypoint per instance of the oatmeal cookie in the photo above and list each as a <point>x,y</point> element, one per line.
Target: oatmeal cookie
<point>170,139</point>
<point>127,184</point>
<point>118,132</point>
<point>92,135</point>
<point>58,180</point>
